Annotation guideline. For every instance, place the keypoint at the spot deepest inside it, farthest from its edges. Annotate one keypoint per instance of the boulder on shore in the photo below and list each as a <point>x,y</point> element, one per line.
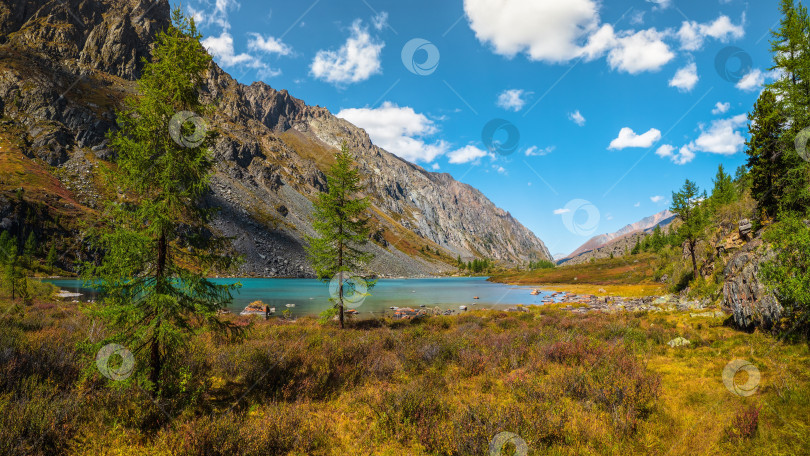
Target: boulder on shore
<point>745,296</point>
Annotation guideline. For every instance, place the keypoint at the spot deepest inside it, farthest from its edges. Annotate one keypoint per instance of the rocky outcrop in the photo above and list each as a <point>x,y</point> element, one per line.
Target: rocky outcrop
<point>744,294</point>
<point>66,65</point>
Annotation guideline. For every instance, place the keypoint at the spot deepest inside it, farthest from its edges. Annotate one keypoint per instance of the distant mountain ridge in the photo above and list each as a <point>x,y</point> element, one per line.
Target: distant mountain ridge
<point>601,241</point>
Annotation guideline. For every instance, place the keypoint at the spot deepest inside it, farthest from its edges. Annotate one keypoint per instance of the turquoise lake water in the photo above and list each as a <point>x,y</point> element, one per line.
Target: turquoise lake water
<point>311,296</point>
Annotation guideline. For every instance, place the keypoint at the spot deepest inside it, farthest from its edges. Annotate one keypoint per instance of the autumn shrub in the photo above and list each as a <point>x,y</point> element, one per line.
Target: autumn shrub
<point>265,430</point>
<point>39,419</point>
<point>744,423</point>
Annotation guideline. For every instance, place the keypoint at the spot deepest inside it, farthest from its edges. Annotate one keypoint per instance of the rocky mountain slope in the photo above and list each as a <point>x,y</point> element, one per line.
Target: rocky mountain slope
<point>65,65</point>
<point>605,245</point>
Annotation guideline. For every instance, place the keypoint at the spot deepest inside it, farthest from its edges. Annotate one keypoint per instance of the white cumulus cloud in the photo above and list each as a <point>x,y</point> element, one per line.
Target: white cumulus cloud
<point>681,157</point>
<point>752,81</point>
<point>269,45</point>
<point>399,130</point>
<point>221,48</point>
<point>357,60</point>
<point>512,99</point>
<point>535,151</point>
<point>380,21</point>
<point>721,108</point>
<point>561,211</point>
<point>693,34</point>
<point>656,198</point>
<point>640,51</point>
<point>466,154</point>
<point>685,78</point>
<point>547,30</point>
<point>628,138</point>
<point>577,118</point>
<point>723,136</point>
<point>558,31</point>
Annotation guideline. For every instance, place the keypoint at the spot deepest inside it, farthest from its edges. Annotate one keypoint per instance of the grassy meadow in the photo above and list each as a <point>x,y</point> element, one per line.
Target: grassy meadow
<point>567,384</point>
<point>629,276</point>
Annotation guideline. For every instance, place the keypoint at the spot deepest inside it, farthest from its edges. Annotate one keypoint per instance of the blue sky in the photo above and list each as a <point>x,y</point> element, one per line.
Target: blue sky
<point>577,116</point>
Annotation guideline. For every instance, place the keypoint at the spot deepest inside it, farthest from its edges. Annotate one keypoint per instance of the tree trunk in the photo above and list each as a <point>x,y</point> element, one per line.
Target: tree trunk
<point>340,272</point>
<point>155,361</point>
<point>340,300</point>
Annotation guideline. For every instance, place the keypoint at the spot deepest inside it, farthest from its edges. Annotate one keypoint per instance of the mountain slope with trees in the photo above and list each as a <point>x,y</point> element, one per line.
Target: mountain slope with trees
<point>66,66</point>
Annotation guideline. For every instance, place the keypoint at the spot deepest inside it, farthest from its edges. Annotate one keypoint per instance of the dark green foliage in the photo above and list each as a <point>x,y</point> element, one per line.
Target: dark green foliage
<point>724,191</point>
<point>477,266</point>
<point>8,247</point>
<point>788,275</point>
<point>12,275</point>
<point>341,224</point>
<point>157,248</point>
<point>541,264</point>
<point>50,260</point>
<point>30,250</point>
<point>742,180</point>
<point>780,176</point>
<point>765,153</point>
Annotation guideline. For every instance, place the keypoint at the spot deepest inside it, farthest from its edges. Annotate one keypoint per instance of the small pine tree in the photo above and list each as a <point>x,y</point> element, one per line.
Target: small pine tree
<point>8,246</point>
<point>686,203</point>
<point>341,224</point>
<point>724,191</point>
<point>30,250</point>
<point>50,260</point>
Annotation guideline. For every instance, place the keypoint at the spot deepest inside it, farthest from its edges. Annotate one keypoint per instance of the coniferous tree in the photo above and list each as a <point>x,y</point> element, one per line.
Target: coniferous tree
<point>30,250</point>
<point>686,203</point>
<point>157,249</point>
<point>765,152</point>
<point>791,53</point>
<point>50,260</point>
<point>8,245</point>
<point>341,224</point>
<point>724,191</point>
